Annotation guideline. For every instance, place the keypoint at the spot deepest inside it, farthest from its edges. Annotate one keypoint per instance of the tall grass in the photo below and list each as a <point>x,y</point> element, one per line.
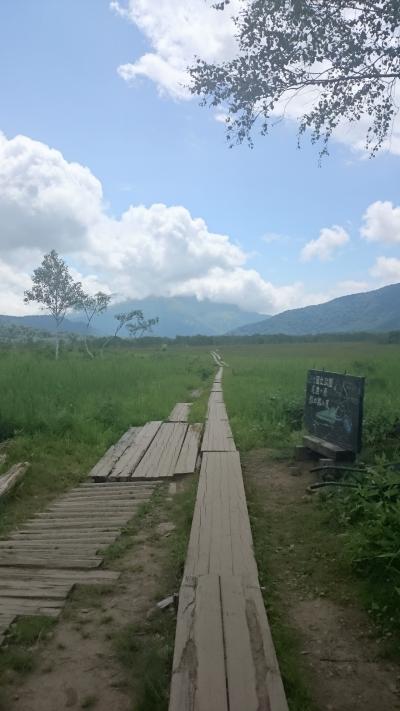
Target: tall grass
<point>265,392</point>
<point>265,388</point>
<point>62,416</point>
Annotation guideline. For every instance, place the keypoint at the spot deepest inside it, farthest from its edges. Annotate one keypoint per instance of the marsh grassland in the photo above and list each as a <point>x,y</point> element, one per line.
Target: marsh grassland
<point>337,550</point>
<point>62,415</point>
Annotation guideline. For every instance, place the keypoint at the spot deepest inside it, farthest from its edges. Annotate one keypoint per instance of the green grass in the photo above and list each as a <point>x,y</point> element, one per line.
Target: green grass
<point>265,389</point>
<point>62,416</point>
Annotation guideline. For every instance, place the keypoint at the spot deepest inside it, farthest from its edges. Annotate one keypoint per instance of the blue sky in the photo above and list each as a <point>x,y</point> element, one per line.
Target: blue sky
<point>146,145</point>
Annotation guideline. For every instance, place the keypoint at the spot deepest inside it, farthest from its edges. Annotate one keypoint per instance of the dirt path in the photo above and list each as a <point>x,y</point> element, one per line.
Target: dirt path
<point>79,667</point>
<point>339,653</point>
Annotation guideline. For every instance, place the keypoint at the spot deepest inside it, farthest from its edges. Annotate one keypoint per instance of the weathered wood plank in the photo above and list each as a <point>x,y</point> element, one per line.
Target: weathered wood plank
<point>161,458</point>
<point>11,478</point>
<point>103,468</point>
<point>217,411</point>
<point>76,576</point>
<point>187,459</point>
<point>180,413</point>
<point>218,437</point>
<point>198,675</point>
<point>49,562</point>
<point>127,464</point>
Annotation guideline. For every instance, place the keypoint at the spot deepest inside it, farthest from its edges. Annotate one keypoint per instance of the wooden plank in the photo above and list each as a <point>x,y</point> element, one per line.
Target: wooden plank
<point>133,455</point>
<point>216,397</point>
<point>180,413</point>
<point>113,486</point>
<point>49,562</point>
<point>35,592</point>
<point>327,449</point>
<point>11,478</point>
<point>218,437</point>
<point>103,468</point>
<point>220,539</point>
<point>187,459</point>
<point>217,411</point>
<point>240,667</point>
<point>75,576</point>
<point>161,458</point>
<point>198,675</point>
<point>72,537</point>
<point>117,515</point>
<point>114,524</point>
<point>267,667</point>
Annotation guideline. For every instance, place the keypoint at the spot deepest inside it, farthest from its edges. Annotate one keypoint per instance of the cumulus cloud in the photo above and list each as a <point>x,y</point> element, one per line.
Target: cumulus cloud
<point>329,240</point>
<point>48,203</point>
<point>387,270</point>
<point>177,31</point>
<point>43,197</point>
<point>381,223</point>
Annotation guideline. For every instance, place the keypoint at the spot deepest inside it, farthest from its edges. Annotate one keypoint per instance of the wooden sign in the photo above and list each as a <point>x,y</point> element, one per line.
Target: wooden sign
<point>334,408</point>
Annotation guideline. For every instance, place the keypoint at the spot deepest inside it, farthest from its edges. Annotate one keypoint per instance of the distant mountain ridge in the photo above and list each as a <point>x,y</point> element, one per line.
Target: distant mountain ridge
<point>377,310</point>
<point>44,322</point>
<point>182,316</point>
<point>179,316</point>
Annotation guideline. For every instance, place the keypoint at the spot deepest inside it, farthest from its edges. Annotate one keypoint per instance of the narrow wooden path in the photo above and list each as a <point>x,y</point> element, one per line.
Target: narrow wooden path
<point>63,546</point>
<point>224,658</point>
<point>42,561</point>
<point>159,450</point>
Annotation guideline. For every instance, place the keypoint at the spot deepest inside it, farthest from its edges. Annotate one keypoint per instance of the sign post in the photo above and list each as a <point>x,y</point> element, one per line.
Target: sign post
<point>333,414</point>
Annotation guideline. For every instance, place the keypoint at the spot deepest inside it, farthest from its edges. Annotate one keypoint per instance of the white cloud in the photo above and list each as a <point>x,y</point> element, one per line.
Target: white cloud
<point>177,30</point>
<point>381,223</point>
<point>330,239</point>
<point>48,203</point>
<point>43,197</point>
<point>245,287</point>
<point>387,270</point>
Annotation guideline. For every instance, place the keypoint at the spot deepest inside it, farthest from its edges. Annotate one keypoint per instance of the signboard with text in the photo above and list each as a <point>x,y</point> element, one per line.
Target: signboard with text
<point>334,408</point>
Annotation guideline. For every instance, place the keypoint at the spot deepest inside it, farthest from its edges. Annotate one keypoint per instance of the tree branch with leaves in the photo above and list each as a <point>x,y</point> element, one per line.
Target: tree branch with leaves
<point>348,51</point>
<point>134,321</point>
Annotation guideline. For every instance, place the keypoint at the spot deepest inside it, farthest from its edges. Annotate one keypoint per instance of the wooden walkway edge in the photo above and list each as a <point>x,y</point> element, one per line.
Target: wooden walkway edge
<point>224,657</point>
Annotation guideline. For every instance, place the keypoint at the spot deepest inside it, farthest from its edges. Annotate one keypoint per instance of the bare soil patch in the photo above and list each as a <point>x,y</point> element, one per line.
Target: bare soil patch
<point>339,652</point>
<point>79,667</point>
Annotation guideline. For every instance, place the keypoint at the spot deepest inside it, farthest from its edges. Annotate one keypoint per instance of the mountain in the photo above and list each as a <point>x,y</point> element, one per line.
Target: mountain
<point>179,316</point>
<point>44,322</point>
<point>377,310</point>
<point>182,316</point>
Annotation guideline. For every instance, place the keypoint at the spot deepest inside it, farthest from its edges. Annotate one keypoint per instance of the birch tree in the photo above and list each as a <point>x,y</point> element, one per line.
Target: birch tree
<point>54,289</point>
<point>92,306</point>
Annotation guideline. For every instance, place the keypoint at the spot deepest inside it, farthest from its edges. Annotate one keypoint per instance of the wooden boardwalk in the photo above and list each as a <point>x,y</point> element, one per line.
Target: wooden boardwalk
<point>42,561</point>
<point>158,450</point>
<point>224,658</point>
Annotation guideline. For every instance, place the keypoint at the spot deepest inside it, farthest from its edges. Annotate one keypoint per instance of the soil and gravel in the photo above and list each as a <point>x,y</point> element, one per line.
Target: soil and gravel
<point>341,653</point>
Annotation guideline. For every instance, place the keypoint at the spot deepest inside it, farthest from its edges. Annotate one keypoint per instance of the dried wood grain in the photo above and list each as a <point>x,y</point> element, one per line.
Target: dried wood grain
<point>218,437</point>
<point>11,478</point>
<point>187,459</point>
<point>180,413</point>
<point>104,466</point>
<point>161,457</point>
<point>128,462</point>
